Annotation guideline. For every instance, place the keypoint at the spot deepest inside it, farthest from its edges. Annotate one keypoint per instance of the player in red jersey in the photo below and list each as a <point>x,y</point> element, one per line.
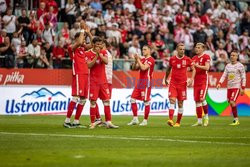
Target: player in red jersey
<point>109,73</point>
<point>142,90</point>
<point>96,60</point>
<point>202,65</point>
<point>178,66</point>
<point>79,76</point>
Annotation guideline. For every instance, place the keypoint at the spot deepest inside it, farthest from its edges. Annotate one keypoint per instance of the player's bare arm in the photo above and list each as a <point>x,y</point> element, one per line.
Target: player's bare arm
<point>104,59</point>
<point>92,63</point>
<point>78,42</point>
<point>206,67</point>
<point>165,79</point>
<point>88,46</point>
<point>190,81</point>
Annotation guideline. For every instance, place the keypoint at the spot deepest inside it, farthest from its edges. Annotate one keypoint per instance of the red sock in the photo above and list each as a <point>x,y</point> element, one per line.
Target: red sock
<point>179,116</point>
<point>92,114</point>
<point>146,112</point>
<point>171,114</point>
<point>78,111</point>
<point>71,107</point>
<point>199,112</point>
<point>97,112</point>
<point>235,112</point>
<point>134,109</point>
<point>205,109</point>
<point>107,113</point>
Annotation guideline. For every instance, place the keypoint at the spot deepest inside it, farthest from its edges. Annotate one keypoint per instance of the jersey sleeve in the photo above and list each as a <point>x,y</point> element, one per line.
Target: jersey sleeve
<point>207,59</point>
<point>189,62</point>
<point>171,62</point>
<point>243,76</point>
<point>224,75</point>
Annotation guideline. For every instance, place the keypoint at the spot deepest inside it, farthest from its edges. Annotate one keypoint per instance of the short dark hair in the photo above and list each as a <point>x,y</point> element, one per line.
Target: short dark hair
<point>96,39</point>
<point>106,43</point>
<point>77,35</point>
<point>147,46</point>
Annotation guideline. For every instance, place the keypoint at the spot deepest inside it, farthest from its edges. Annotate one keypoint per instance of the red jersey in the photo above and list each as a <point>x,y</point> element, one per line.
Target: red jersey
<point>79,65</point>
<point>201,76</point>
<point>146,75</point>
<point>179,69</point>
<point>97,72</point>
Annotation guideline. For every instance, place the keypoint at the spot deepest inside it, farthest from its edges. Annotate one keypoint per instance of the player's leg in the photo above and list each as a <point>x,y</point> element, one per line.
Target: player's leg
<point>147,106</point>
<point>70,110</point>
<point>232,97</point>
<point>135,95</point>
<point>172,98</point>
<point>94,93</point>
<point>181,96</point>
<point>198,102</point>
<point>203,94</point>
<point>79,110</point>
<point>92,113</point>
<point>146,113</point>
<point>98,120</point>
<point>107,112</point>
<point>105,97</point>
<point>180,112</point>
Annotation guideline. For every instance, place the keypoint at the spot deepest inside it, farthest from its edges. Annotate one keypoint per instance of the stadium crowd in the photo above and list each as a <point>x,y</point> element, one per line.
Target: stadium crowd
<point>37,37</point>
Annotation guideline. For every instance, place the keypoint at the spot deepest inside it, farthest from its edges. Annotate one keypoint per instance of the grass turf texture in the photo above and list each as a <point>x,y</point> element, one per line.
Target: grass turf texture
<point>154,145</point>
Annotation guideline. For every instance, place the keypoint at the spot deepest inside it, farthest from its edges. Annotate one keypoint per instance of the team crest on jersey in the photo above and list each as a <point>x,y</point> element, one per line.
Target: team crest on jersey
<point>184,62</point>
<point>98,61</point>
<point>91,95</point>
<point>178,66</point>
<point>81,52</point>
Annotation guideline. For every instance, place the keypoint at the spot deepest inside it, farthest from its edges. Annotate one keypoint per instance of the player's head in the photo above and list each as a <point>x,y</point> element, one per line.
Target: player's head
<point>199,48</point>
<point>234,56</point>
<point>146,50</point>
<point>180,49</point>
<point>97,43</point>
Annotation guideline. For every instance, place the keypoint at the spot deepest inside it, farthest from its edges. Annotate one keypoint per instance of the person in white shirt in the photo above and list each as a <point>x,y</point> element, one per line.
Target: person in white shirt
<point>233,15</point>
<point>222,57</point>
<point>34,53</point>
<point>21,54</point>
<point>3,6</point>
<point>48,34</point>
<point>10,22</point>
<point>236,83</point>
<point>130,6</point>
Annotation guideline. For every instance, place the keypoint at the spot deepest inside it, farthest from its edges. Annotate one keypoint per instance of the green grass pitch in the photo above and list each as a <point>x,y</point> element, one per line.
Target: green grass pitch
<point>34,141</point>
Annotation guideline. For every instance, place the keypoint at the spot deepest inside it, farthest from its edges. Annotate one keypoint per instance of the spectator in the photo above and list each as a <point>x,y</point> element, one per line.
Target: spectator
<point>58,55</point>
<point>24,22</point>
<point>3,6</point>
<point>200,35</point>
<point>6,51</point>
<point>41,10</point>
<point>70,11</point>
<point>34,52</point>
<point>48,34</point>
<point>130,6</point>
<point>9,22</point>
<point>42,61</point>
<point>21,55</point>
<point>74,30</point>
<point>187,38</point>
<point>96,5</point>
<point>221,57</point>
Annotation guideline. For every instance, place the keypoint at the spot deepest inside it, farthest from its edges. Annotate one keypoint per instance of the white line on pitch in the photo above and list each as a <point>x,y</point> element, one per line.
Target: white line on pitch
<point>203,137</point>
<point>125,138</point>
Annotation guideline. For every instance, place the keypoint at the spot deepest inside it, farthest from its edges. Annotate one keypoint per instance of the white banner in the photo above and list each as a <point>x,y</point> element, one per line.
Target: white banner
<point>21,100</point>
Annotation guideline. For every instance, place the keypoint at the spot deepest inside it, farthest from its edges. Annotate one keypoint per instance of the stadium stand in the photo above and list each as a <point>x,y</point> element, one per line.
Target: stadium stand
<point>127,25</point>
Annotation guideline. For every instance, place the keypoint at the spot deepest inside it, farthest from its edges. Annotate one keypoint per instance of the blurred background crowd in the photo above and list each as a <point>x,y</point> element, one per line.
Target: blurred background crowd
<point>36,33</point>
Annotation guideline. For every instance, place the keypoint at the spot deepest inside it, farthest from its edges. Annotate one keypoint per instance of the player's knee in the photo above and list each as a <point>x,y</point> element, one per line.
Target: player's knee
<point>204,102</point>
<point>198,104</point>
<point>232,103</point>
<point>172,101</point>
<point>75,99</point>
<point>146,103</point>
<point>82,101</point>
<point>92,104</point>
<point>132,100</point>
<point>106,103</point>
